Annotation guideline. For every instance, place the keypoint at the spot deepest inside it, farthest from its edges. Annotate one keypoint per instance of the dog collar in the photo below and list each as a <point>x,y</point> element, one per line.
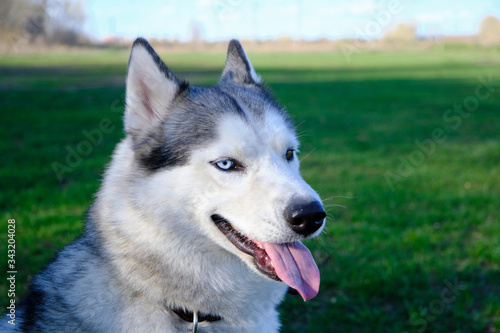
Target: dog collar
<point>196,317</point>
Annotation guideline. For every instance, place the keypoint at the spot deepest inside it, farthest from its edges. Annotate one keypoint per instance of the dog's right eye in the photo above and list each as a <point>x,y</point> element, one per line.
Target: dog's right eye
<point>227,164</point>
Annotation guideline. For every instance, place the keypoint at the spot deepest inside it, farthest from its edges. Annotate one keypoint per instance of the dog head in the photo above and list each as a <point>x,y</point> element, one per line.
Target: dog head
<point>228,154</point>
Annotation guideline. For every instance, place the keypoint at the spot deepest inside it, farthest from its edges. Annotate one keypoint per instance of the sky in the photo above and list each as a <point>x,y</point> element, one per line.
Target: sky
<point>298,19</point>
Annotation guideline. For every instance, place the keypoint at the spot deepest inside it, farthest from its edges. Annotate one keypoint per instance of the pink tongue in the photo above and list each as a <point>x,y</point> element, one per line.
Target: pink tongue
<point>295,266</point>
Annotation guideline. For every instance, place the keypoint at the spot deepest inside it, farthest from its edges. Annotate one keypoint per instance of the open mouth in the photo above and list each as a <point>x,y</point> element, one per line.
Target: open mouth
<point>246,245</point>
<point>291,263</point>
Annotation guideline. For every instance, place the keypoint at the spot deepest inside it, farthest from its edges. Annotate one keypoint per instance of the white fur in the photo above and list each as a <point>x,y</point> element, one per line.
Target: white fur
<point>149,92</point>
<point>167,217</point>
<point>152,213</point>
<point>157,245</point>
<point>159,224</point>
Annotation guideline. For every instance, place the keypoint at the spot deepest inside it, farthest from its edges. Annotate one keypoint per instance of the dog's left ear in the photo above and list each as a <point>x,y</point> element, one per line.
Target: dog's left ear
<point>238,68</point>
<point>151,88</point>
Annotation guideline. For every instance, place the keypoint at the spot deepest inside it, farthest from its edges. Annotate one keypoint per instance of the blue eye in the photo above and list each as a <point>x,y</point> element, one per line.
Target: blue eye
<point>225,164</point>
<point>228,164</point>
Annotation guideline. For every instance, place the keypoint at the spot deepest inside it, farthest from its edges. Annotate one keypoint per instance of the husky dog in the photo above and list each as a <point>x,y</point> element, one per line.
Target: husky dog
<point>200,215</point>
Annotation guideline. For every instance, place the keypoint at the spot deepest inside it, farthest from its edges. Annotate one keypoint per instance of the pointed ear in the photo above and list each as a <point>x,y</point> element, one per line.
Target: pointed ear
<point>151,88</point>
<point>238,67</point>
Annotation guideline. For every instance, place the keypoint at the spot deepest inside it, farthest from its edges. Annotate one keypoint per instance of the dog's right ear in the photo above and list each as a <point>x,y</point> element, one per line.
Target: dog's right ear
<point>151,88</point>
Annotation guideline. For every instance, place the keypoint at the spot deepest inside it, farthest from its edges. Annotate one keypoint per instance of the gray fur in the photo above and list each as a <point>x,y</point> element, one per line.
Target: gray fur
<point>191,124</point>
<point>148,246</point>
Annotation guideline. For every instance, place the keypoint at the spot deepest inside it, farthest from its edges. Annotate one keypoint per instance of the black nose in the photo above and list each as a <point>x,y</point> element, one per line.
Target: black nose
<point>305,218</point>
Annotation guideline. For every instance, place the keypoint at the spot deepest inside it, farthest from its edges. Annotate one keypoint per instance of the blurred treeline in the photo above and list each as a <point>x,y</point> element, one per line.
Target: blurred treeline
<point>42,22</point>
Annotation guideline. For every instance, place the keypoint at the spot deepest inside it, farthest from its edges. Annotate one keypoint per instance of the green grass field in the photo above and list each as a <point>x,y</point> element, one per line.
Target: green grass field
<point>405,146</point>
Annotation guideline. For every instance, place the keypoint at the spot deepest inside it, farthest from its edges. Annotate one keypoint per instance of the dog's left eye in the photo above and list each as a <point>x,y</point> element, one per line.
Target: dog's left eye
<point>289,154</point>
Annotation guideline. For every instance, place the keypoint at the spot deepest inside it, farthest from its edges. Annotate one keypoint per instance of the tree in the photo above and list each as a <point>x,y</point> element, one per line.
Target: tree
<point>66,21</point>
<point>22,19</point>
<point>196,32</point>
<point>489,31</point>
<point>404,32</point>
<point>57,21</point>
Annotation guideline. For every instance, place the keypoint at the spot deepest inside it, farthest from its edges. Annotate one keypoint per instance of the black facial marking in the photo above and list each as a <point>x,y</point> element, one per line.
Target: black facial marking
<point>191,124</point>
<point>161,157</point>
<point>256,99</point>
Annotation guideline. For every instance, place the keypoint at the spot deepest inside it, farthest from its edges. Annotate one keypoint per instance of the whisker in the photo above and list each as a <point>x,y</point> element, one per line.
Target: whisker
<point>330,216</point>
<point>339,196</point>
<point>334,205</point>
<point>309,153</point>
<point>324,232</point>
<point>300,124</point>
